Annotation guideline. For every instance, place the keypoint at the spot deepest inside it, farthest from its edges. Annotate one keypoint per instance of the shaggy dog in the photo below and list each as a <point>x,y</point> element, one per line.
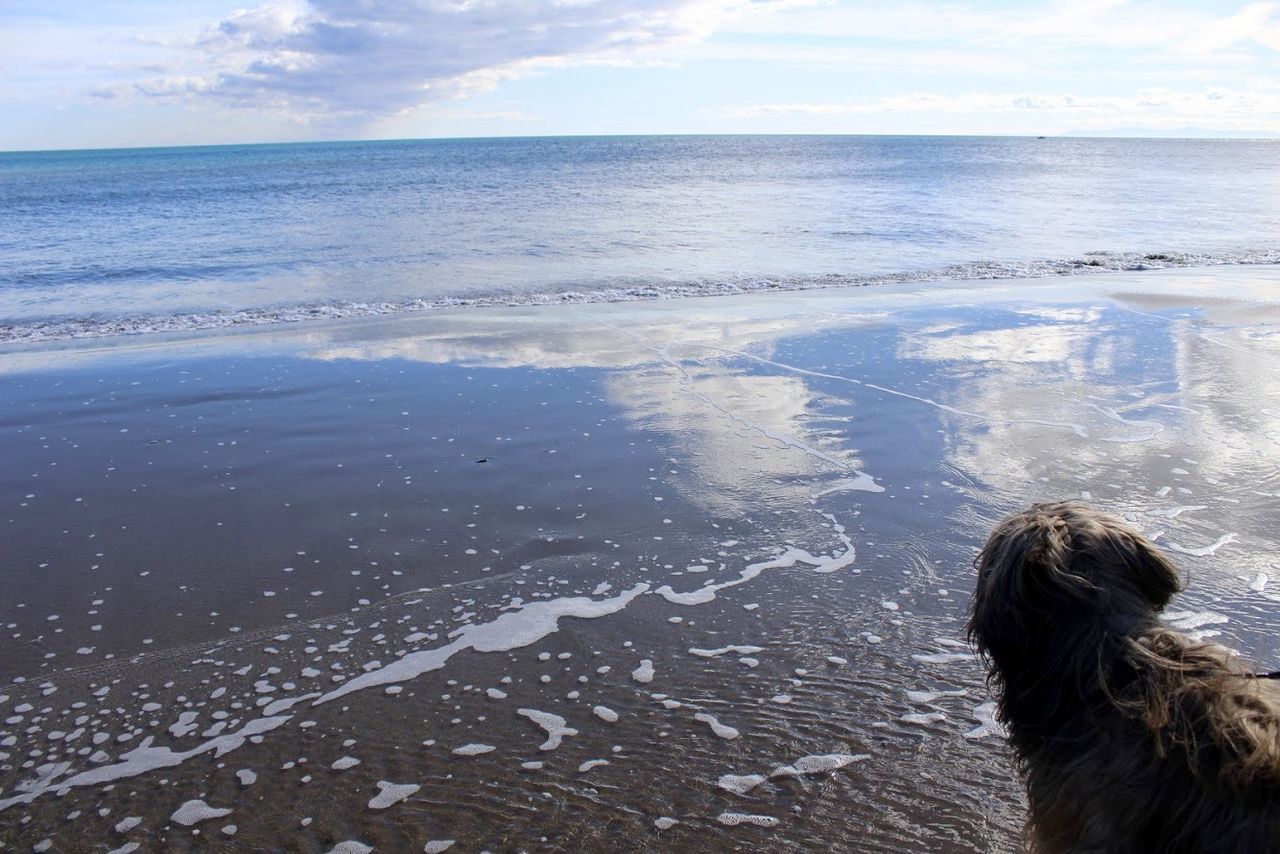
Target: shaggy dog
<point>1130,736</point>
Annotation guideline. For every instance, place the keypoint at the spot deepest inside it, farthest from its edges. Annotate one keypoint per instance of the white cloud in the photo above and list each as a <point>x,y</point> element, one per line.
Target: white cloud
<point>373,58</point>
<point>1250,24</point>
<point>1065,25</point>
<point>948,60</point>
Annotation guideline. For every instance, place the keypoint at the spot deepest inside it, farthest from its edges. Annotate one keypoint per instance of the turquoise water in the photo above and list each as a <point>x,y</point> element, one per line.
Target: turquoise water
<point>97,242</point>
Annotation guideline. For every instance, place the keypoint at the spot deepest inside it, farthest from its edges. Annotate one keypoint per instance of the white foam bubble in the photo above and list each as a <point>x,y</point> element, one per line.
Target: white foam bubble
<point>185,724</point>
<point>1206,550</point>
<point>722,730</point>
<point>1187,620</point>
<point>819,763</point>
<point>941,657</point>
<point>923,719</point>
<point>1175,512</point>
<point>591,763</point>
<point>554,725</point>
<point>737,649</point>
<point>733,819</point>
<point>436,846</point>
<point>644,673</point>
<point>985,715</point>
<point>344,763</point>
<point>195,811</point>
<point>740,784</point>
<point>605,713</point>
<point>390,794</point>
<point>861,482</point>
<point>933,696</point>
<point>473,749</point>
<point>351,846</point>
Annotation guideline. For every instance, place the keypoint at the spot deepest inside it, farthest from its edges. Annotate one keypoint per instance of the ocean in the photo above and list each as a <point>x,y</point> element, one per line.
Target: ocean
<point>138,240</point>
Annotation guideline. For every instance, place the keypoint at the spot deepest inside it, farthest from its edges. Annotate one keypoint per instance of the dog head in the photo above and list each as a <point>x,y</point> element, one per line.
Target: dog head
<point>1058,570</point>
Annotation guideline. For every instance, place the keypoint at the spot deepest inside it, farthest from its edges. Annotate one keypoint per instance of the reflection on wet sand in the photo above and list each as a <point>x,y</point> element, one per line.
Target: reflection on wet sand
<point>736,429</point>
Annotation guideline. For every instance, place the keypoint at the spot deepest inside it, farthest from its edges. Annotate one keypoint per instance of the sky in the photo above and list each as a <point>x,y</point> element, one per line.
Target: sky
<point>119,73</point>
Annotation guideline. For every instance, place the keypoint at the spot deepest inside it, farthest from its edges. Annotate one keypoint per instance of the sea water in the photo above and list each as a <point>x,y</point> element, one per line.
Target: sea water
<point>135,240</point>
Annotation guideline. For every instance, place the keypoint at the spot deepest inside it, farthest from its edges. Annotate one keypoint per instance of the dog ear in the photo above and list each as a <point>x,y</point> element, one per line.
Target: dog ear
<point>1153,573</point>
<point>1025,581</point>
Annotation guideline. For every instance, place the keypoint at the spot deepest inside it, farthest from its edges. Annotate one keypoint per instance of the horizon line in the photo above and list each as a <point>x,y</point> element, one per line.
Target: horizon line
<point>1154,134</point>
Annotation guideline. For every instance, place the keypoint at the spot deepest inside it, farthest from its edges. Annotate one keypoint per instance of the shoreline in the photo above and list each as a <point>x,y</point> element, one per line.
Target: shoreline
<point>44,331</point>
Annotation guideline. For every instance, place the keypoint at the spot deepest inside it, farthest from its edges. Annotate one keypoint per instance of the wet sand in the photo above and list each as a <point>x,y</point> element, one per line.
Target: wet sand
<point>645,575</point>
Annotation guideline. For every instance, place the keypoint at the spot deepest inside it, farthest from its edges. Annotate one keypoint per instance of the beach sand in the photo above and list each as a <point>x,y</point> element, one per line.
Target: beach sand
<point>642,575</point>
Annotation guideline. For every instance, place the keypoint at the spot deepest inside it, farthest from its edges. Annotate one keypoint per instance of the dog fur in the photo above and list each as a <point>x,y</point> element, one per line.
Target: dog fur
<point>1130,737</point>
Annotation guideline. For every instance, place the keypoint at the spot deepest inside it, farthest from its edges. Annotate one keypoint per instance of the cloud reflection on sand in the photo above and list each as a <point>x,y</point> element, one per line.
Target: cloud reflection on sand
<point>737,428</point>
<point>1201,482</point>
<point>1062,389</point>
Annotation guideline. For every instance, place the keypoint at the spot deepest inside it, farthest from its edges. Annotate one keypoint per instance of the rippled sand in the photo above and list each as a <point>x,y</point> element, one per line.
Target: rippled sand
<point>653,575</point>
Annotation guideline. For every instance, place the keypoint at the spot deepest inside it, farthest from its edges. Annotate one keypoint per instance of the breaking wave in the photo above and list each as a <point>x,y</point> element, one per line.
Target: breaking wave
<point>64,329</point>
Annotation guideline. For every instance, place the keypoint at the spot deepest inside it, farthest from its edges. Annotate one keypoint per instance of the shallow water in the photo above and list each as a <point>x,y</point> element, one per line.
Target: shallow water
<point>101,242</point>
<point>415,529</point>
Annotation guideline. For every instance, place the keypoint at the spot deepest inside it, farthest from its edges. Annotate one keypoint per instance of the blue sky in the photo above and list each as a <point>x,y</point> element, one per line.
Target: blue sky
<point>142,72</point>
